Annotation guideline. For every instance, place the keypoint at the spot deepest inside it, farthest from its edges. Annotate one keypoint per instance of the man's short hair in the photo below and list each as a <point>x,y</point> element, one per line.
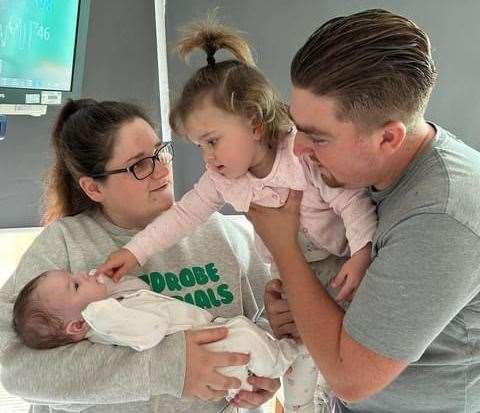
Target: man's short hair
<point>375,64</point>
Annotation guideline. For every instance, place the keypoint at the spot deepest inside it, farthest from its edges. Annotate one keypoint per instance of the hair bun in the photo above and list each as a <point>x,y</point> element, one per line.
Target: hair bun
<point>68,109</point>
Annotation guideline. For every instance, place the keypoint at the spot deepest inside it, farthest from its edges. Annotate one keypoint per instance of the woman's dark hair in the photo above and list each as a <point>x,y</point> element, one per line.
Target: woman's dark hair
<point>83,140</point>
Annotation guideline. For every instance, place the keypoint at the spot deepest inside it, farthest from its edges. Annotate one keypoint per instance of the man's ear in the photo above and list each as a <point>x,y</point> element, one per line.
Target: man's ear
<point>77,329</point>
<point>393,135</point>
<point>92,188</point>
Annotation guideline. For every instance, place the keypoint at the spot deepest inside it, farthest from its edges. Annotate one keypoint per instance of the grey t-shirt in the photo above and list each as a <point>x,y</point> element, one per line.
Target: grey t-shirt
<point>215,268</point>
<point>419,301</point>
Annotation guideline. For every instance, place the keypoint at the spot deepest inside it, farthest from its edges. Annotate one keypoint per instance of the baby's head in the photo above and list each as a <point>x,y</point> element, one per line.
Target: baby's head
<point>47,311</point>
<point>230,99</point>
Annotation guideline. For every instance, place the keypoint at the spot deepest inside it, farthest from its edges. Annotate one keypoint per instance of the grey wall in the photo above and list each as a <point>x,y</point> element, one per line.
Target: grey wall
<point>120,64</point>
<point>277,28</point>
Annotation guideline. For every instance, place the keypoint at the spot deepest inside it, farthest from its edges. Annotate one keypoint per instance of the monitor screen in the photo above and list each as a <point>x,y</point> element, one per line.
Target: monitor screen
<point>37,43</point>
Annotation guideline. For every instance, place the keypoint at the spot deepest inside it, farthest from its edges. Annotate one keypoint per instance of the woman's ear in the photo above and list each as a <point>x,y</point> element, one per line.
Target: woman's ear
<point>77,329</point>
<point>92,188</point>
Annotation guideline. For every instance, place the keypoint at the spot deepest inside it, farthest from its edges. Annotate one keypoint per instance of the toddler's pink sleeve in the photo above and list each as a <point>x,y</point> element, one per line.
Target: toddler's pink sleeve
<point>177,222</point>
<point>357,212</point>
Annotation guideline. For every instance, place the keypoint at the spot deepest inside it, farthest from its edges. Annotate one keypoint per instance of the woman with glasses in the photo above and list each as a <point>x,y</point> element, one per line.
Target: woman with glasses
<point>111,176</point>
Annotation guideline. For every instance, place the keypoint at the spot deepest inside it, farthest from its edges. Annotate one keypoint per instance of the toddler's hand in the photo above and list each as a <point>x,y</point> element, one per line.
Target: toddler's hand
<point>118,264</point>
<point>351,274</point>
<point>348,281</point>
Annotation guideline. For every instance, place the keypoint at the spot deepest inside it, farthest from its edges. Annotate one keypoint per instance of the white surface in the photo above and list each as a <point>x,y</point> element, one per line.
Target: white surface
<point>11,404</point>
<point>13,243</point>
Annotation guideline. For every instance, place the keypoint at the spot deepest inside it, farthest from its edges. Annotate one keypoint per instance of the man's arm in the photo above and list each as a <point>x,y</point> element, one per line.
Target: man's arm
<point>353,371</point>
<point>418,282</point>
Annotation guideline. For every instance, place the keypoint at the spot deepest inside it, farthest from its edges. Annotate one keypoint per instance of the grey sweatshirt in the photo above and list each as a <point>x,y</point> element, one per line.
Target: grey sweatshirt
<point>215,268</point>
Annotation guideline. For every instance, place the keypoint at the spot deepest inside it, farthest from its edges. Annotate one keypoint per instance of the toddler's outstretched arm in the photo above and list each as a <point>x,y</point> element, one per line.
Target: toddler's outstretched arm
<point>180,220</point>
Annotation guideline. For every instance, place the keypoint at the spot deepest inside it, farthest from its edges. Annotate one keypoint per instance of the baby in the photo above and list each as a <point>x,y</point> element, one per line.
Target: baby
<point>57,308</point>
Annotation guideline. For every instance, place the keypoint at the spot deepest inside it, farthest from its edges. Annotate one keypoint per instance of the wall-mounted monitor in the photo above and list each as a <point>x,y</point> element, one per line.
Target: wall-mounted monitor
<point>42,50</point>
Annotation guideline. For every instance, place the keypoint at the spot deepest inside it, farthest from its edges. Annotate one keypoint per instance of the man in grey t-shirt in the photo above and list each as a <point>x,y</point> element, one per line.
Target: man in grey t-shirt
<point>410,340</point>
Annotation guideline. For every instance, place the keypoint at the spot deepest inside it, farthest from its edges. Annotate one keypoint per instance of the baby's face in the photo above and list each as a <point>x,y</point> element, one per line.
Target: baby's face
<point>68,294</point>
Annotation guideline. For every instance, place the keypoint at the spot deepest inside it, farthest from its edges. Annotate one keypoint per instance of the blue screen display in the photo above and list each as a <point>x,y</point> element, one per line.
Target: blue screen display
<point>37,43</point>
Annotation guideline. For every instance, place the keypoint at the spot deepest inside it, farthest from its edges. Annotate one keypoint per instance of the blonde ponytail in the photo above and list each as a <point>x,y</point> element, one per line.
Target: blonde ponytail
<point>210,37</point>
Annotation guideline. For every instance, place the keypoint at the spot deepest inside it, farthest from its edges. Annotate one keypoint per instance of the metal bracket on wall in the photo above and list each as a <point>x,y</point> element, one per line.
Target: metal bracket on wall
<point>3,127</point>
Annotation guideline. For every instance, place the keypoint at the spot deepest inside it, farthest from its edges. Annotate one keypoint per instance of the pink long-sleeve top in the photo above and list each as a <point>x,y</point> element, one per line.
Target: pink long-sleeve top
<point>339,220</point>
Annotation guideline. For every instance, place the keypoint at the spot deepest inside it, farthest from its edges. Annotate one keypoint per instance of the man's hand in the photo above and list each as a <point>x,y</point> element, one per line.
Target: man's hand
<point>278,227</point>
<point>263,389</point>
<point>118,264</point>
<point>201,377</point>
<point>352,273</point>
<point>278,311</point>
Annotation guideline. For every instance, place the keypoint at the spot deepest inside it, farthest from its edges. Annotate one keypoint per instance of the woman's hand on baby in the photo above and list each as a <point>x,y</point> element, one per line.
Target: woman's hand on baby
<point>118,264</point>
<point>351,274</point>
<point>278,312</point>
<point>263,389</point>
<point>201,377</point>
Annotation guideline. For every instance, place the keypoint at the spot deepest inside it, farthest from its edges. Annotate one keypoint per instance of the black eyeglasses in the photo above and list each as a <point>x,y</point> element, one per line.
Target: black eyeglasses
<point>144,167</point>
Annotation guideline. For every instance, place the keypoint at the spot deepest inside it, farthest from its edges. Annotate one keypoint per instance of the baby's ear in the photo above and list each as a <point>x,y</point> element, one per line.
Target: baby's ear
<point>77,329</point>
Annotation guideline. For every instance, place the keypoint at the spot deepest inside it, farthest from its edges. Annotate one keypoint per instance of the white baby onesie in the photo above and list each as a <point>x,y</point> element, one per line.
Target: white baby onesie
<point>141,320</point>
